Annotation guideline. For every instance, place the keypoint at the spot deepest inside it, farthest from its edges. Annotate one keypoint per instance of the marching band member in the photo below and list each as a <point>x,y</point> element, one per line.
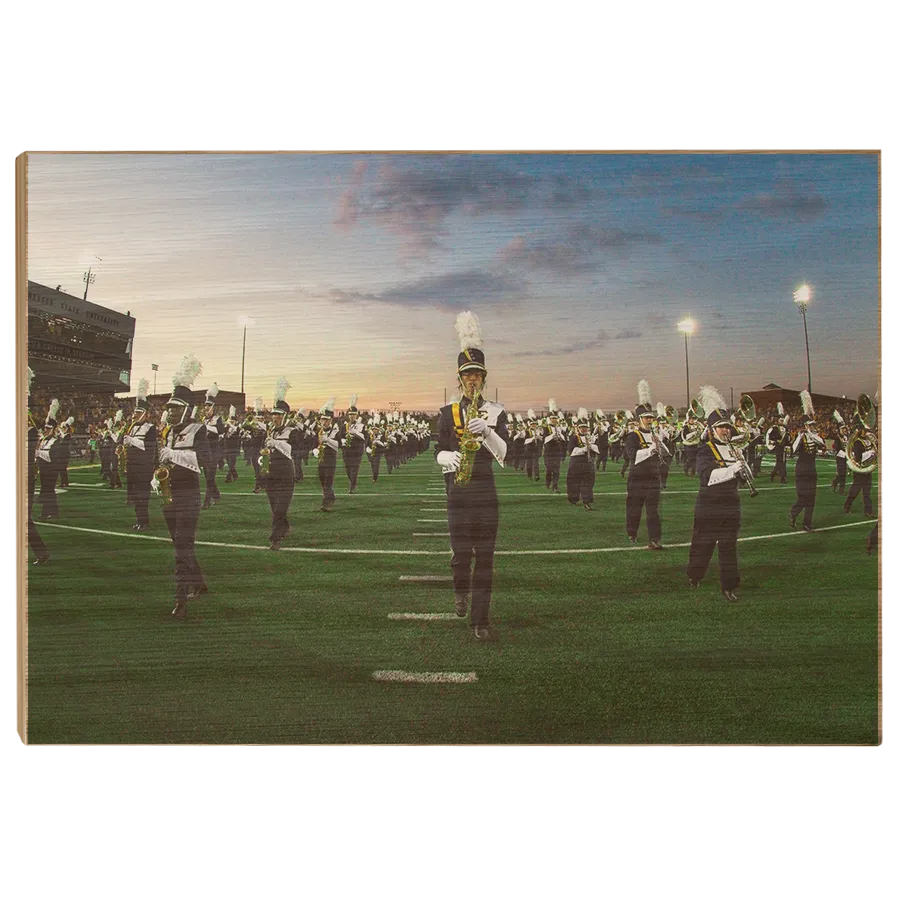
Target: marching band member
<point>115,429</point>
<point>642,451</point>
<point>184,450</point>
<point>861,459</point>
<point>66,430</point>
<point>299,424</point>
<point>664,435</point>
<point>48,455</point>
<point>690,441</point>
<point>581,471</point>
<point>601,434</point>
<point>232,445</point>
<point>517,444</point>
<point>554,448</point>
<point>471,435</point>
<point>805,447</point>
<point>35,541</point>
<point>778,439</point>
<point>839,445</point>
<point>717,511</point>
<point>279,468</point>
<point>215,429</point>
<point>140,442</point>
<point>353,441</point>
<point>533,446</point>
<point>326,453</point>
<point>377,444</point>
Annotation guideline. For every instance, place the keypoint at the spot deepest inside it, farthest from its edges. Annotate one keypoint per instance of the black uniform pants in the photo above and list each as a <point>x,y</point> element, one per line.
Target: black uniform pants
<point>64,474</point>
<point>806,497</point>
<point>663,474</point>
<point>643,493</point>
<point>840,480</point>
<point>212,490</point>
<point>231,461</point>
<point>181,516</point>
<point>861,482</point>
<point>532,463</point>
<point>601,459</point>
<point>280,491</point>
<point>780,468</point>
<point>690,460</point>
<point>580,477</point>
<point>139,485</point>
<point>552,463</point>
<point>716,524</point>
<point>47,496</point>
<point>326,480</point>
<point>473,516</point>
<point>375,463</point>
<point>352,462</point>
<point>35,541</point>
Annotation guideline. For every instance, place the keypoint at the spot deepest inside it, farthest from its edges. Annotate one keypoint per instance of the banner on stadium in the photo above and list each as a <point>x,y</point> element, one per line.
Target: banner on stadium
<point>42,299</point>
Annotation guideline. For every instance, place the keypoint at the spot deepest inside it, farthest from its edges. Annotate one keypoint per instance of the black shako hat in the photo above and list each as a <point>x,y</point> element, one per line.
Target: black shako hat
<point>181,396</point>
<point>141,405</point>
<point>644,409</point>
<point>719,417</point>
<point>281,406</point>
<point>471,360</point>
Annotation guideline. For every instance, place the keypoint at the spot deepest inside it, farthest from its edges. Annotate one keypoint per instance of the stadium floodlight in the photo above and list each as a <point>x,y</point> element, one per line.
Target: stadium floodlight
<point>802,296</point>
<point>687,327</point>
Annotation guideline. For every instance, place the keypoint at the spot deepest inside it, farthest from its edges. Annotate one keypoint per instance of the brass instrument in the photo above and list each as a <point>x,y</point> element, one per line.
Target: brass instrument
<point>468,443</point>
<point>163,472</point>
<point>747,409</point>
<point>662,450</point>
<point>864,422</point>
<point>746,473</point>
<point>265,454</point>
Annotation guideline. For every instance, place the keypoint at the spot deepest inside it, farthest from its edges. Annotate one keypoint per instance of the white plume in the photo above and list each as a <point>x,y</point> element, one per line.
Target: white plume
<point>301,411</point>
<point>582,413</point>
<point>54,409</point>
<point>353,399</point>
<point>165,417</point>
<point>661,410</point>
<point>30,378</point>
<point>193,414</point>
<point>838,418</point>
<point>780,408</point>
<point>599,413</point>
<point>468,330</point>
<point>118,416</point>
<point>281,388</point>
<point>142,389</point>
<point>629,414</point>
<point>328,406</point>
<point>258,405</point>
<point>70,420</point>
<point>213,392</point>
<point>454,398</point>
<point>232,412</point>
<point>552,404</point>
<point>530,413</point>
<point>807,404</point>
<point>187,372</point>
<point>710,399</point>
<point>644,392</point>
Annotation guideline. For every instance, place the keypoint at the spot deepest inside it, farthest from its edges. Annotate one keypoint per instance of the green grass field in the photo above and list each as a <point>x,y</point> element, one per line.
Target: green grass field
<point>593,647</point>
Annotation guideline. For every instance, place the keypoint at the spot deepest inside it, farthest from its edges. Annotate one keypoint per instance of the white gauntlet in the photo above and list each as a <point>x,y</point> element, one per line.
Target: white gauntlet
<point>449,460</point>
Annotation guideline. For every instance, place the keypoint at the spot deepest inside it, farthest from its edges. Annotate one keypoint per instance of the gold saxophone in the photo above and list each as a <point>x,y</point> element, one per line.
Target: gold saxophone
<point>468,444</point>
<point>163,472</point>
<point>265,454</point>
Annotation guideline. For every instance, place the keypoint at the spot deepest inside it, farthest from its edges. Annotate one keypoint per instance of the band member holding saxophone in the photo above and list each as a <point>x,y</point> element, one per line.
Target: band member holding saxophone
<point>583,452</point>
<point>643,449</point>
<point>353,441</point>
<point>554,448</point>
<point>215,429</point>
<point>862,456</point>
<point>232,445</point>
<point>326,453</point>
<point>601,433</point>
<point>806,446</point>
<point>278,453</point>
<point>140,446</point>
<point>471,435</point>
<point>534,443</point>
<point>182,453</point>
<point>839,445</point>
<point>778,439</point>
<point>35,542</point>
<point>47,456</point>
<point>717,511</point>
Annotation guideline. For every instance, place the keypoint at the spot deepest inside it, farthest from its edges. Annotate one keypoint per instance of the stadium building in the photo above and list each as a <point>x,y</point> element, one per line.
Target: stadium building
<point>77,347</point>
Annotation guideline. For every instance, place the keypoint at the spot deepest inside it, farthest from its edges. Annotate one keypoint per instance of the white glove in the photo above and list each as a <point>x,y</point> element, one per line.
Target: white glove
<point>154,484</point>
<point>478,426</point>
<point>578,451</point>
<point>270,444</point>
<point>369,450</point>
<point>449,460</point>
<point>736,469</point>
<point>166,455</point>
<point>316,452</point>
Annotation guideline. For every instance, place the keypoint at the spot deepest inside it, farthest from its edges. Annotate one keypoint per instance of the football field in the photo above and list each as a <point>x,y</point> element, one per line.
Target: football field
<point>333,640</point>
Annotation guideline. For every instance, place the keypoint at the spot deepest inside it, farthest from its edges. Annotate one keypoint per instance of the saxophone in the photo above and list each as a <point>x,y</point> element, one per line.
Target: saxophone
<point>468,444</point>
<point>163,472</point>
<point>265,454</point>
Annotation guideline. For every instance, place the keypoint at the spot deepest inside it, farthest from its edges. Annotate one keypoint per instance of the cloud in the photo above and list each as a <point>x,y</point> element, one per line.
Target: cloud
<point>582,247</point>
<point>452,291</point>
<point>786,201</point>
<point>414,197</point>
<point>599,340</point>
<point>696,213</point>
<point>628,333</point>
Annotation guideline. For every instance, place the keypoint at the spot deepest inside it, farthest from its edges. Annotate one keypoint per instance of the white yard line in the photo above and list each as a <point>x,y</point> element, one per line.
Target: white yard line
<point>424,617</point>
<point>426,677</point>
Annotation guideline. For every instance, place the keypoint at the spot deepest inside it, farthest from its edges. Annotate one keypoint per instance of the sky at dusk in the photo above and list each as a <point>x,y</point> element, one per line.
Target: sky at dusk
<point>578,266</point>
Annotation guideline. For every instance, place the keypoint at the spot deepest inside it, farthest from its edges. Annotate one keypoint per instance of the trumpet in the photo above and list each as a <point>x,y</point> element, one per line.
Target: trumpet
<point>746,473</point>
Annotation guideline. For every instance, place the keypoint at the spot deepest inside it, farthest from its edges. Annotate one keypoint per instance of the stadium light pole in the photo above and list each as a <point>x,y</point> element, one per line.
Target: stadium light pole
<point>245,321</point>
<point>687,326</point>
<point>802,296</point>
<point>89,278</point>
